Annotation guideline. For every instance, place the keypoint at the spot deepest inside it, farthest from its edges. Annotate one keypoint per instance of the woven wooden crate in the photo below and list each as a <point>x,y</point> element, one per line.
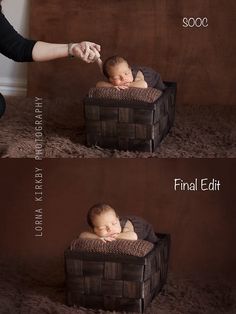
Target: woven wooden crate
<point>129,125</point>
<point>116,282</point>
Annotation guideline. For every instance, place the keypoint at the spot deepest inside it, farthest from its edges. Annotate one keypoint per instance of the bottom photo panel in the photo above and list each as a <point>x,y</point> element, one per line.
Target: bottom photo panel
<point>118,236</point>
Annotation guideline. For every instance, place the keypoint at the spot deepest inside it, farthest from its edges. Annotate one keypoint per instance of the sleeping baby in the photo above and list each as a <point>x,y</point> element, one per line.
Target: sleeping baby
<point>107,226</point>
<point>122,76</point>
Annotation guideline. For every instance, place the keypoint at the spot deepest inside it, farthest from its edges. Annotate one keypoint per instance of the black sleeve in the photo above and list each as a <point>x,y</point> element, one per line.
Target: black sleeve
<point>12,44</point>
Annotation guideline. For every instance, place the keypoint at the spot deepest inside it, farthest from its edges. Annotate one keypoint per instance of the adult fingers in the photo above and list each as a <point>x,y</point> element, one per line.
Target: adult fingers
<point>94,45</point>
<point>86,52</point>
<point>95,50</point>
<point>77,51</point>
<point>93,55</point>
<point>98,47</point>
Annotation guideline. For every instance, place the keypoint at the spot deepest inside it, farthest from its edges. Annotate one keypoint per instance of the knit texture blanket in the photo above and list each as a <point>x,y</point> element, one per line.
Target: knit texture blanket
<point>148,95</point>
<point>125,247</point>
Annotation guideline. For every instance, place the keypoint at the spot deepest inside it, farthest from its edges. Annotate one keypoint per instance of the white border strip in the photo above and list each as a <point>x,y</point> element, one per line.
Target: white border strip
<point>13,87</point>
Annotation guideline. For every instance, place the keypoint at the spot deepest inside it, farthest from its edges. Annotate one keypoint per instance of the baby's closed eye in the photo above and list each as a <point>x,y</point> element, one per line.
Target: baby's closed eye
<point>101,228</point>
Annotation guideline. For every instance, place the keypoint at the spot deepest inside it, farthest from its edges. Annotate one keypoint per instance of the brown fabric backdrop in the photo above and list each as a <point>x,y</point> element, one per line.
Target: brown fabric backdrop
<point>202,224</point>
<point>201,60</point>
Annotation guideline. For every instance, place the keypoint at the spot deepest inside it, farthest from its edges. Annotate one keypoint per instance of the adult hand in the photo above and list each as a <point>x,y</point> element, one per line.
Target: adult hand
<point>86,51</point>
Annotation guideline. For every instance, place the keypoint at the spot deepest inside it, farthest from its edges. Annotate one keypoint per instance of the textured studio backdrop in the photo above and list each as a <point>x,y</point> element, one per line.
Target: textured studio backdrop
<point>200,57</point>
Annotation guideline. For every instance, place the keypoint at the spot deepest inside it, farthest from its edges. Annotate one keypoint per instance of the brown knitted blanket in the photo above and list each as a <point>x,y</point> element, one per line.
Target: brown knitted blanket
<point>125,247</point>
<point>148,95</point>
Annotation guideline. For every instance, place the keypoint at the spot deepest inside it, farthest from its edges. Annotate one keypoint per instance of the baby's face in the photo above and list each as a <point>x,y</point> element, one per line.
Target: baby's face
<point>106,224</point>
<point>120,74</point>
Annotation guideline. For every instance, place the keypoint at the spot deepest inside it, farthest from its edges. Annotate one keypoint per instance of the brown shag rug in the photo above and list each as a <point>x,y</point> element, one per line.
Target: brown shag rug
<point>199,131</point>
<point>24,290</point>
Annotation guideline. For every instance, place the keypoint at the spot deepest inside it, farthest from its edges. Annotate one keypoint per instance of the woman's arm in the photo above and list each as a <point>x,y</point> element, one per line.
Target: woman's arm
<point>86,51</point>
<point>18,48</point>
<point>45,51</point>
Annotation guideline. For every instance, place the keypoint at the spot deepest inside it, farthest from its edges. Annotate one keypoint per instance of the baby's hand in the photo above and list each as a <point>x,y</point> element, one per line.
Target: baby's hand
<point>109,239</point>
<point>122,87</point>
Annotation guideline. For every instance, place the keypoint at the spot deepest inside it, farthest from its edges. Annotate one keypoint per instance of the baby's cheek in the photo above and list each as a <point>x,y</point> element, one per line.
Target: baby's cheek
<point>99,232</point>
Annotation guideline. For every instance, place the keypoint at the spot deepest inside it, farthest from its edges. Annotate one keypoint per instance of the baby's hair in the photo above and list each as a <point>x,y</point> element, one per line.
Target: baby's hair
<point>111,61</point>
<point>95,210</point>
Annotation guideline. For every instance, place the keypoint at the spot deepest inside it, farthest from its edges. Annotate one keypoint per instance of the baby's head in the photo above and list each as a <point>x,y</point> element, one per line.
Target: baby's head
<point>104,221</point>
<point>117,70</point>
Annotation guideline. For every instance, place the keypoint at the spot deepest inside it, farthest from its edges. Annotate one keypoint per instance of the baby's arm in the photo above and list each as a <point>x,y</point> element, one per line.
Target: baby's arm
<point>139,81</point>
<point>107,84</point>
<point>104,84</point>
<point>128,232</point>
<point>88,235</point>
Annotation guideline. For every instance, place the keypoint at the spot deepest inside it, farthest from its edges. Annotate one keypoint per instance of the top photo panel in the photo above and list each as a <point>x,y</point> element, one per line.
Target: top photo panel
<point>117,79</point>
